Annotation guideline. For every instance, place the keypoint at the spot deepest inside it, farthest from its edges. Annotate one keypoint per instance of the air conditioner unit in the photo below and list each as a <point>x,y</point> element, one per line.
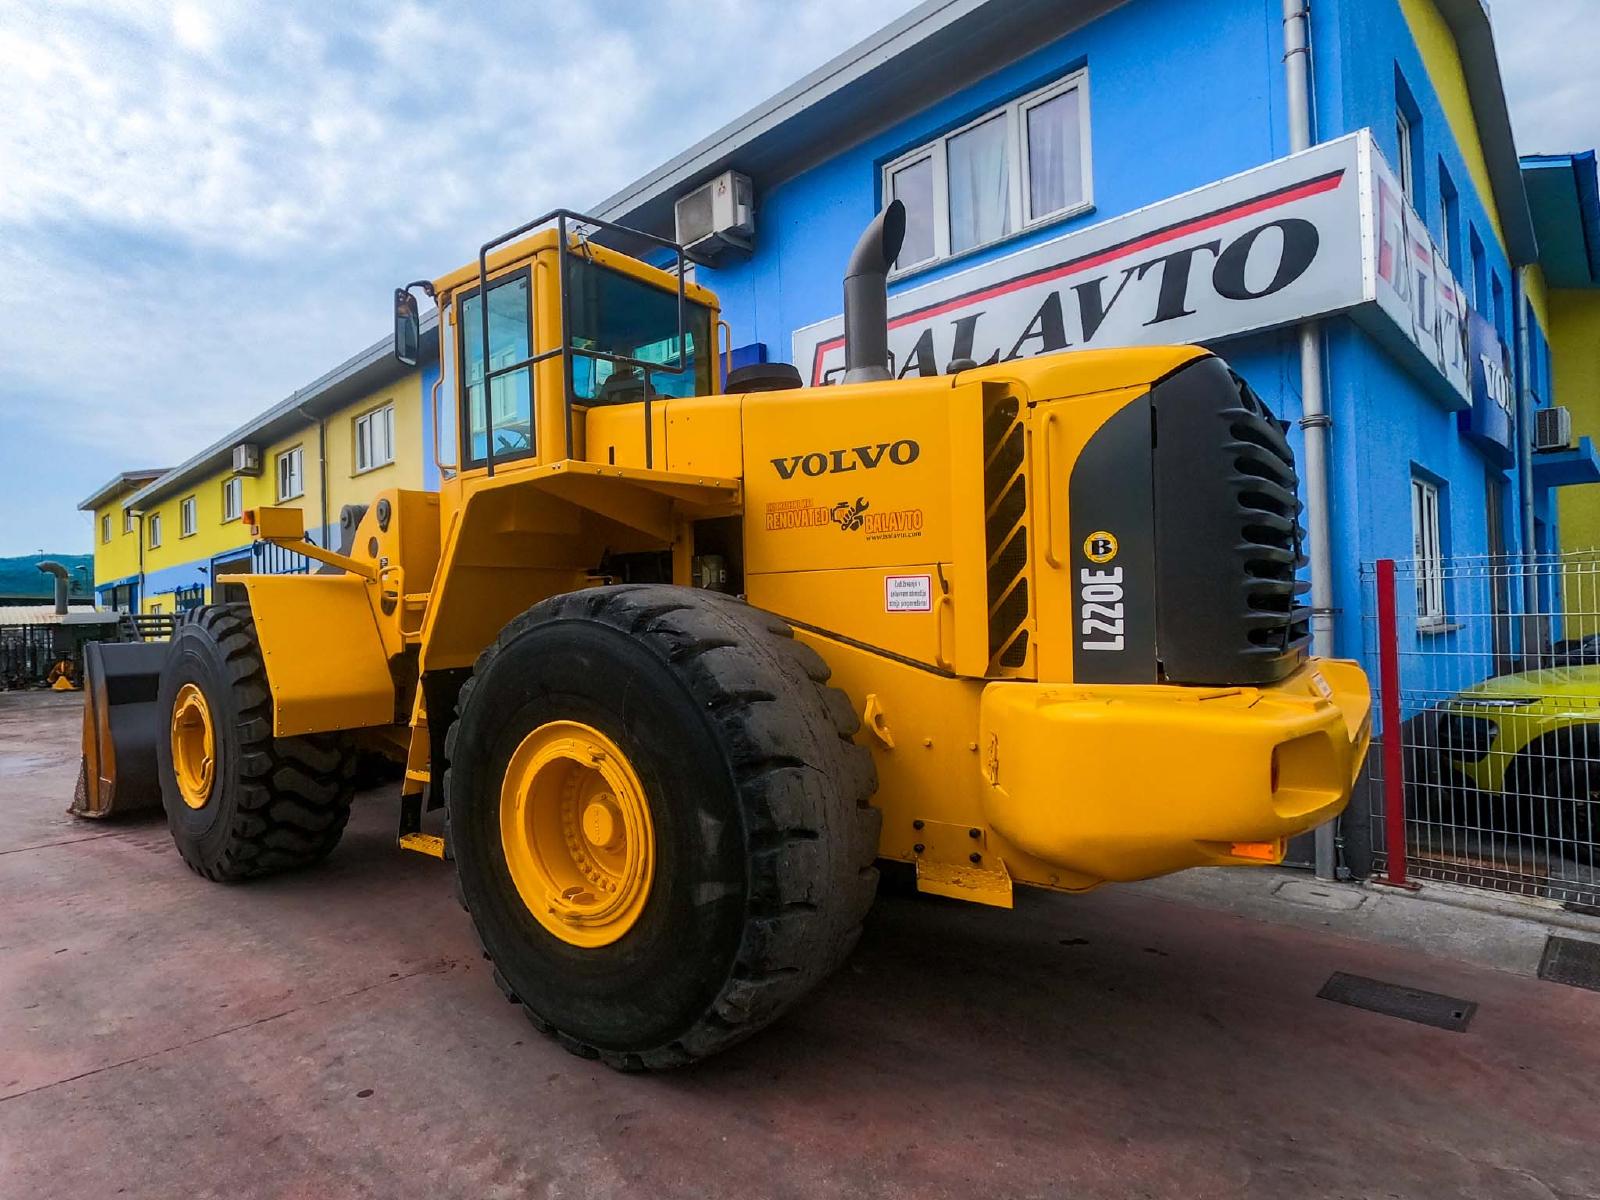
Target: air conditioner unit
<point>1552,428</point>
<point>247,459</point>
<point>716,217</point>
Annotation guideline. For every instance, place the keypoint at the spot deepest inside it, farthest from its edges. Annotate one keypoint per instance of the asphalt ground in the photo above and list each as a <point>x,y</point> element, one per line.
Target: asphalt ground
<point>336,1033</point>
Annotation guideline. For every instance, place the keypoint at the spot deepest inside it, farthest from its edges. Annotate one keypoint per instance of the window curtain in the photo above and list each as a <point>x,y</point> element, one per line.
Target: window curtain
<point>980,185</point>
<point>1054,156</point>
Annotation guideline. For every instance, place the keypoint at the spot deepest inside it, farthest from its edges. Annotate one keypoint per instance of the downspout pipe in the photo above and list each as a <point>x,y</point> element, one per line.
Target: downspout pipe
<point>1315,422</point>
<point>1519,369</point>
<point>322,472</point>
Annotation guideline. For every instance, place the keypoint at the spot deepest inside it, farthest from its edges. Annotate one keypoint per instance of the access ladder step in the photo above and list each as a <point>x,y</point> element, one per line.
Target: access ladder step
<point>423,843</point>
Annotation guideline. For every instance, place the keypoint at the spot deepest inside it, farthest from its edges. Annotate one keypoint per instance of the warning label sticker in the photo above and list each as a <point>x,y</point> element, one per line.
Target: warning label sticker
<point>908,593</point>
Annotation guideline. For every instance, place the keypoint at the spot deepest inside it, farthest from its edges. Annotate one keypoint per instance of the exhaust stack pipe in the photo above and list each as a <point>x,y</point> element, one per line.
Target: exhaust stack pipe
<point>866,297</point>
<point>60,572</point>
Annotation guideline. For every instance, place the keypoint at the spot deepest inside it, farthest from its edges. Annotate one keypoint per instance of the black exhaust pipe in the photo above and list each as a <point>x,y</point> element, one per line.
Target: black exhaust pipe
<point>866,297</point>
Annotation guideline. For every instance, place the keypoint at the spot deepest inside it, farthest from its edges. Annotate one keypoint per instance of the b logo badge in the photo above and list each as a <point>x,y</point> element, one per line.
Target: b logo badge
<point>1100,546</point>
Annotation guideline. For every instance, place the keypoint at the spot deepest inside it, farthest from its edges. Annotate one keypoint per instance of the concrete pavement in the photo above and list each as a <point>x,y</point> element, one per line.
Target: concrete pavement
<point>336,1034</point>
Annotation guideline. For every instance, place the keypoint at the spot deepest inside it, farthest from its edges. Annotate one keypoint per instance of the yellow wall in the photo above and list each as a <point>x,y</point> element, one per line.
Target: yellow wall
<point>214,536</point>
<point>1575,351</point>
<point>1442,57</point>
<point>345,486</point>
<point>118,558</point>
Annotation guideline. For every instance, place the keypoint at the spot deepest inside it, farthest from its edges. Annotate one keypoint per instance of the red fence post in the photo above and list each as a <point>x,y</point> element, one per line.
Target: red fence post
<point>1394,783</point>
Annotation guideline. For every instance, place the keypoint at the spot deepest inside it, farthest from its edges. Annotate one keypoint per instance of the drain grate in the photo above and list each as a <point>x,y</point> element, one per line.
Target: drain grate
<point>1571,961</point>
<point>1411,1004</point>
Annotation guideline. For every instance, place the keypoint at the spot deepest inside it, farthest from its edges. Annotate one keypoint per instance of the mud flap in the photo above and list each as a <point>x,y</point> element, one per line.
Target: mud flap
<point>120,726</point>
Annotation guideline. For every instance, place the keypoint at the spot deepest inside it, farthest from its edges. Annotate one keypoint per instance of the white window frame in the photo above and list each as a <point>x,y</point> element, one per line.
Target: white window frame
<point>1405,134</point>
<point>1017,161</point>
<point>127,520</point>
<point>155,531</point>
<point>382,420</point>
<point>1428,551</point>
<point>188,517</point>
<point>105,530</point>
<point>293,485</point>
<point>232,499</point>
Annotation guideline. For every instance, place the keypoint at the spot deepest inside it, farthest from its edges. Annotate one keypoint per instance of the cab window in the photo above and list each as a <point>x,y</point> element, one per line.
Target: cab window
<point>511,394</point>
<point>613,313</point>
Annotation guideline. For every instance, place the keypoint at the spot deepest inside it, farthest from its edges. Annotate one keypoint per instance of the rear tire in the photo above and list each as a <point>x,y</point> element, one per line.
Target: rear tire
<point>274,804</point>
<point>762,836</point>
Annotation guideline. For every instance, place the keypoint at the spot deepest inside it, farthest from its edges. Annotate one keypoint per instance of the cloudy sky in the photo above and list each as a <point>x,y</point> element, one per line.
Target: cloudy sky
<point>203,205</point>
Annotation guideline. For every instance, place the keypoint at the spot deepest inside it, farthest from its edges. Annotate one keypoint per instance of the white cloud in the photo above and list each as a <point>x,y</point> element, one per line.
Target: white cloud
<point>1547,53</point>
<point>204,203</point>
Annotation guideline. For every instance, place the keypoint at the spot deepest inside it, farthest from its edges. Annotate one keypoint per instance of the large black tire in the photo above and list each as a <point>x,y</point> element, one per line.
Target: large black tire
<point>759,799</point>
<point>276,803</point>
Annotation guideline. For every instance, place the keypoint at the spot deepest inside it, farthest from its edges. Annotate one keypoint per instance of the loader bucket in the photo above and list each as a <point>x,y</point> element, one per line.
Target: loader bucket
<point>120,728</point>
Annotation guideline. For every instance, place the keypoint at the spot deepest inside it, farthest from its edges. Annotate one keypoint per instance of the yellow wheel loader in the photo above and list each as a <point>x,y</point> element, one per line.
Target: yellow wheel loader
<point>681,656</point>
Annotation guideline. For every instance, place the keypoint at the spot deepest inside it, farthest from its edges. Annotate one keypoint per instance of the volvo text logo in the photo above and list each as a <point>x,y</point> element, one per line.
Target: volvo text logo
<point>831,462</point>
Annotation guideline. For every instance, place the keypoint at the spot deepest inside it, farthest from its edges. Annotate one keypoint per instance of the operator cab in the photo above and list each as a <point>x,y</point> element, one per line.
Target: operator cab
<point>615,332</point>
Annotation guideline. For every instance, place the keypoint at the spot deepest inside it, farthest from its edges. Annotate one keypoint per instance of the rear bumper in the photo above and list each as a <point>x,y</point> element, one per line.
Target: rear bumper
<point>1103,782</point>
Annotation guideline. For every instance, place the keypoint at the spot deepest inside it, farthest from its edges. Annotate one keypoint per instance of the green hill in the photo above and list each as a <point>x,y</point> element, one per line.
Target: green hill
<point>22,577</point>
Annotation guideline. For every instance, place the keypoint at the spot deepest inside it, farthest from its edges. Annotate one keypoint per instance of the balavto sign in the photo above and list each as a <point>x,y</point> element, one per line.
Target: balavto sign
<point>1296,239</point>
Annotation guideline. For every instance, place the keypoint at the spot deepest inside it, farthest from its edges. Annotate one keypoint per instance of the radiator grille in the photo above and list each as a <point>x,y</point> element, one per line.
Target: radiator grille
<point>1005,494</point>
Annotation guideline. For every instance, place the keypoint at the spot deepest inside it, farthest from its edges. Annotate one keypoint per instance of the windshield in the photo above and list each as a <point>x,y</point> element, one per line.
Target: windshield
<point>617,314</point>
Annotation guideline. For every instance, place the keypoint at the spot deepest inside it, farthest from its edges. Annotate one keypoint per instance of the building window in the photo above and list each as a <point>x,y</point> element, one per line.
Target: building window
<point>291,476</point>
<point>1408,178</point>
<point>232,499</point>
<point>155,530</point>
<point>127,520</point>
<point>1408,142</point>
<point>1427,551</point>
<point>1450,217</point>
<point>1497,305</point>
<point>1012,168</point>
<point>186,517</point>
<point>105,528</point>
<point>375,438</point>
<point>1480,271</point>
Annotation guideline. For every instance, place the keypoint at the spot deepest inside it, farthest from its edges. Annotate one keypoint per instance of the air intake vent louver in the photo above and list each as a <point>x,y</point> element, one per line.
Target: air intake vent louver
<point>1271,538</point>
<point>1005,495</point>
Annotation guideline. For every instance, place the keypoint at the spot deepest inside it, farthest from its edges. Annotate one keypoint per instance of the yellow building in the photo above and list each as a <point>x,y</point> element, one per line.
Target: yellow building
<point>1564,196</point>
<point>118,539</point>
<point>173,535</point>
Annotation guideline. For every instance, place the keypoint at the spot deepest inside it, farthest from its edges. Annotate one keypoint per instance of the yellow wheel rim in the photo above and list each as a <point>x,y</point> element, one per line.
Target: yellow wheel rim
<point>576,832</point>
<point>194,746</point>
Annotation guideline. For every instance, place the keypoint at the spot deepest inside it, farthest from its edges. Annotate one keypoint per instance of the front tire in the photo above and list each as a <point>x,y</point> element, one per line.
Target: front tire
<point>240,802</point>
<point>701,725</point>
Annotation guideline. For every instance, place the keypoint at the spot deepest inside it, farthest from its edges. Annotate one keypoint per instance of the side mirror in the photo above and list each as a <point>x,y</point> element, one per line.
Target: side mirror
<point>407,330</point>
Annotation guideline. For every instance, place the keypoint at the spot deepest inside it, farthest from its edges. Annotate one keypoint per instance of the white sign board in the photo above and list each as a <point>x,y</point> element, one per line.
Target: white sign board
<point>1274,246</point>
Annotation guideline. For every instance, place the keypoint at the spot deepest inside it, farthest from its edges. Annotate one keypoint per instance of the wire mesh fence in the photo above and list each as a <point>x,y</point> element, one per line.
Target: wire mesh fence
<point>1489,681</point>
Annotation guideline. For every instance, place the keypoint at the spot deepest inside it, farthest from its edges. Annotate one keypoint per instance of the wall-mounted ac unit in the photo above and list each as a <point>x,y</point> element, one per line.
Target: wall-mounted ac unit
<point>718,216</point>
<point>1552,428</point>
<point>247,459</point>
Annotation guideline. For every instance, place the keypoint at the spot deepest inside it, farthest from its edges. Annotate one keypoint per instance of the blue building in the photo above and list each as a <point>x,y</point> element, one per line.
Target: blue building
<point>1086,172</point>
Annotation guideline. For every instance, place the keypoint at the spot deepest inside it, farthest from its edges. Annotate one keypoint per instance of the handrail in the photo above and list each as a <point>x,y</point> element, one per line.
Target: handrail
<point>562,216</point>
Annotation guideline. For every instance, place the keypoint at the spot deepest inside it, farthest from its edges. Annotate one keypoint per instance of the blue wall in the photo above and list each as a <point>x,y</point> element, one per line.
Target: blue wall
<point>1182,94</point>
<point>1141,58</point>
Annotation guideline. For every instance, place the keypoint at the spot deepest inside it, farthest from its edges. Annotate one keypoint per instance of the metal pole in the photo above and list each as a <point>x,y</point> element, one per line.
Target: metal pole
<point>1314,419</point>
<point>1394,784</point>
<point>1519,372</point>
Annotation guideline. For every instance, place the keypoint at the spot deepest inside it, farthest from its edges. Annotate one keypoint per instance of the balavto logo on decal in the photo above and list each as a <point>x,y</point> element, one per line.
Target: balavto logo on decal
<point>849,516</point>
<point>901,453</point>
